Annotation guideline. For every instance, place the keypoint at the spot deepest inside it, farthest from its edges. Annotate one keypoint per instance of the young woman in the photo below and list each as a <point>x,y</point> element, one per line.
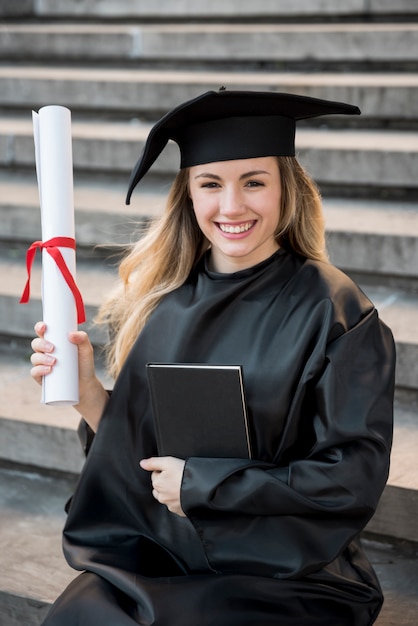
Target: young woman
<point>235,273</point>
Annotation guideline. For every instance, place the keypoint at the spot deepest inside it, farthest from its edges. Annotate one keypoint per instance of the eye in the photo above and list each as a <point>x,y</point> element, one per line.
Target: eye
<point>254,183</point>
<point>209,185</point>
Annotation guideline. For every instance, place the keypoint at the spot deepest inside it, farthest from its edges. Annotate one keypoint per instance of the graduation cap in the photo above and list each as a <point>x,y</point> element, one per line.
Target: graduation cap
<point>227,125</point>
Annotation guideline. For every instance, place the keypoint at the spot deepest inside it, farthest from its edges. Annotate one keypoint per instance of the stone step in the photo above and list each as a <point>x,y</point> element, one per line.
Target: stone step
<point>355,159</point>
<point>382,97</point>
<point>222,43</point>
<point>17,320</point>
<point>374,238</point>
<point>398,509</point>
<point>33,434</point>
<point>398,309</point>
<point>364,236</point>
<point>217,9</point>
<point>101,215</point>
<point>34,571</point>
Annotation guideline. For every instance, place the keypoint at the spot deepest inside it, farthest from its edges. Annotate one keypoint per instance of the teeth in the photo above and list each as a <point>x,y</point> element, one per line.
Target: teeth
<point>242,228</point>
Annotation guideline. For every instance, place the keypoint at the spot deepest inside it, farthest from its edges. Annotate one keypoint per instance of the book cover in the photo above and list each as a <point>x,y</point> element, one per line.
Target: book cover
<point>199,410</point>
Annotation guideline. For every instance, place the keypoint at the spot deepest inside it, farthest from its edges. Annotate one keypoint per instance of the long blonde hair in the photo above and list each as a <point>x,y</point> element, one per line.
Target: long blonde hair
<point>163,257</point>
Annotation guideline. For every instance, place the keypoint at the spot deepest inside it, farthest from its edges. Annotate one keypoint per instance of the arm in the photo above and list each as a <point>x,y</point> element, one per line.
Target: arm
<point>294,516</point>
<point>93,396</point>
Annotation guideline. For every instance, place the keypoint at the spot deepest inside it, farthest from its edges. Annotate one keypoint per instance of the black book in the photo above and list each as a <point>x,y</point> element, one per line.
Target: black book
<point>199,410</point>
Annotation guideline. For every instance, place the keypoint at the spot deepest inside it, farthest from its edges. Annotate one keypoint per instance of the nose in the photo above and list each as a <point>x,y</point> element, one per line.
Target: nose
<point>232,203</point>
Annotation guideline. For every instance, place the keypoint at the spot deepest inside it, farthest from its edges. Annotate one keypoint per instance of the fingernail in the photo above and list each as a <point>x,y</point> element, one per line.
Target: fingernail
<point>49,359</point>
<point>48,346</point>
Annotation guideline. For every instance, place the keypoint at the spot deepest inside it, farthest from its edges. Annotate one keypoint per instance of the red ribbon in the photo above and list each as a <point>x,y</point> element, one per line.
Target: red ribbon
<point>51,246</point>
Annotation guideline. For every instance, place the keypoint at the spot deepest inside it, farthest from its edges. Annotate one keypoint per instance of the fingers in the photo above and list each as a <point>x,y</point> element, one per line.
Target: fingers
<point>79,338</point>
<point>41,359</point>
<point>157,496</point>
<point>159,463</point>
<point>151,464</point>
<point>87,370</point>
<point>166,477</point>
<point>40,328</point>
<point>42,368</point>
<point>39,344</point>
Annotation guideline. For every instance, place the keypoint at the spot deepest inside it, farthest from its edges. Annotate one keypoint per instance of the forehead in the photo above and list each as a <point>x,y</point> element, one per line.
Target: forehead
<point>238,167</point>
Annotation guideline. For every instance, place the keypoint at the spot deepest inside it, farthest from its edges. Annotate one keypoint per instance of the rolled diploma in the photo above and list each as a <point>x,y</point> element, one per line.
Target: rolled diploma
<point>53,151</point>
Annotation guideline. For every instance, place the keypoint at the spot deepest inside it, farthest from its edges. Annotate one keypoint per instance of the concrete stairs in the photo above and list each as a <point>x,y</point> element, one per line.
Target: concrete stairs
<point>272,44</point>
<point>120,65</point>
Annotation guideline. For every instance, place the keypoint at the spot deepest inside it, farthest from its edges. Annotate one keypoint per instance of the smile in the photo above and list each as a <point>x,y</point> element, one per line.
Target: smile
<point>239,228</point>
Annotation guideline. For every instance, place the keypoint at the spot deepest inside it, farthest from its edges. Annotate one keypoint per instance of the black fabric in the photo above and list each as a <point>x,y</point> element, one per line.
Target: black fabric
<point>207,600</point>
<point>273,540</point>
<point>85,435</point>
<point>237,138</point>
<point>227,124</point>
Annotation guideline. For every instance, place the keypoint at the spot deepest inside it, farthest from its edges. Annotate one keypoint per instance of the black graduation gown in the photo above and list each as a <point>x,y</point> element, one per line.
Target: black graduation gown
<point>272,540</point>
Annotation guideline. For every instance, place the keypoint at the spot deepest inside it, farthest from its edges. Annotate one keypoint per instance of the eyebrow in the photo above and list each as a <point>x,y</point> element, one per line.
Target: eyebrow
<point>245,175</point>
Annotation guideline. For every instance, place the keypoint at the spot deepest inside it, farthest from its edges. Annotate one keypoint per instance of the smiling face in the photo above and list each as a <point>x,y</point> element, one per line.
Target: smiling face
<point>236,204</point>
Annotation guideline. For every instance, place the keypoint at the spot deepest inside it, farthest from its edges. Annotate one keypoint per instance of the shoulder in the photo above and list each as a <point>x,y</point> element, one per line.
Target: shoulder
<point>331,281</point>
<point>326,287</point>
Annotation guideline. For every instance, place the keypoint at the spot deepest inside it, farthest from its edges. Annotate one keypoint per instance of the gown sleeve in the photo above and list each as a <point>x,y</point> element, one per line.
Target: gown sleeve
<point>85,433</point>
<point>289,518</point>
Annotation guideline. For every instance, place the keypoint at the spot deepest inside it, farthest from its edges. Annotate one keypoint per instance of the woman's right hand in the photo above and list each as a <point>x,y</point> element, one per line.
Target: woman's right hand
<point>93,396</point>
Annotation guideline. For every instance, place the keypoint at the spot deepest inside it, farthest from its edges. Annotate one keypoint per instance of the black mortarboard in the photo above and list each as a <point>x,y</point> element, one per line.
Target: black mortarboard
<point>227,125</point>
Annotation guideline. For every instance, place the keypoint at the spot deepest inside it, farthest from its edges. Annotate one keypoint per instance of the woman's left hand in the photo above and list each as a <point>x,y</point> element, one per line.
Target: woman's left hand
<point>166,477</point>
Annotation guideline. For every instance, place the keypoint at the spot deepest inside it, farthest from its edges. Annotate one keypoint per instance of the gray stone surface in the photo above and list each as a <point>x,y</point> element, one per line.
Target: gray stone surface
<point>380,238</point>
<point>140,8</point>
<point>11,8</point>
<point>232,9</point>
<point>217,8</point>
<point>398,508</point>
<point>101,214</point>
<point>32,433</point>
<point>127,92</point>
<point>18,319</point>
<point>374,159</point>
<point>360,157</point>
<point>220,42</point>
<point>33,569</point>
<point>397,568</point>
<point>403,7</point>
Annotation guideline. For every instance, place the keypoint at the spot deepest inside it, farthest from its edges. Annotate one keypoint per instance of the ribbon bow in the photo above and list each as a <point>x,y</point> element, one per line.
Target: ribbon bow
<point>51,246</point>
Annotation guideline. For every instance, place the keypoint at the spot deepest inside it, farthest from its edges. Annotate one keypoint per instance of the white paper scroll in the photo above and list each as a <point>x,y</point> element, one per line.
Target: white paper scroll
<point>54,167</point>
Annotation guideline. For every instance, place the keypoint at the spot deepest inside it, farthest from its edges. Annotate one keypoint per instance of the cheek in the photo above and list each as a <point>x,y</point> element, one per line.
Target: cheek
<point>204,208</point>
<point>273,210</point>
<point>203,221</point>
